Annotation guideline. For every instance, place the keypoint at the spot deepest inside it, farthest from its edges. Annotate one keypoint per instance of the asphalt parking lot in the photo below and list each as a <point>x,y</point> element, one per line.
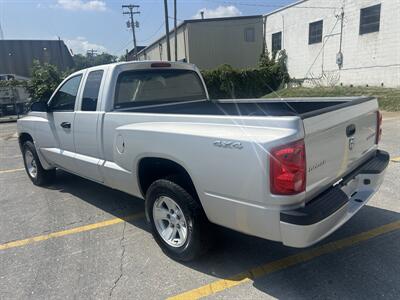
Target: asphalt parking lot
<point>79,240</point>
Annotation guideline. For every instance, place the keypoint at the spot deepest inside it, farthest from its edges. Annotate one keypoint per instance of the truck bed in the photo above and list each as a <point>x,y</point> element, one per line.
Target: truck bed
<point>303,107</point>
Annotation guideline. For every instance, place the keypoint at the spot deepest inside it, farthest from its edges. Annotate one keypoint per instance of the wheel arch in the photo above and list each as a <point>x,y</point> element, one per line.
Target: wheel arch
<point>24,137</point>
<point>150,169</point>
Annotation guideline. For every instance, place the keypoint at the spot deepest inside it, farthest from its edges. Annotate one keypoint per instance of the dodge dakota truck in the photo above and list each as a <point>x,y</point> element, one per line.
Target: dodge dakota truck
<point>287,170</point>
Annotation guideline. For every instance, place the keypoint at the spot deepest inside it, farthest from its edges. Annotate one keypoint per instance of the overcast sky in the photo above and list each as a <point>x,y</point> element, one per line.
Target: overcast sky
<point>100,25</point>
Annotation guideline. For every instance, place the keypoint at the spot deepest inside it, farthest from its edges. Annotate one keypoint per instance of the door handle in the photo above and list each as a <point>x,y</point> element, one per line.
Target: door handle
<point>350,130</point>
<point>65,125</point>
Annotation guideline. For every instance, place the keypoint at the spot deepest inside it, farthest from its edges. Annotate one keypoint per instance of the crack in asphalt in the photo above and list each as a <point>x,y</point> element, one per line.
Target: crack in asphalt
<point>121,273</point>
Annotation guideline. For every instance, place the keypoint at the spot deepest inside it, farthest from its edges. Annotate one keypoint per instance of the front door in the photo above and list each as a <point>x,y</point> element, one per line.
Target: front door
<point>61,121</point>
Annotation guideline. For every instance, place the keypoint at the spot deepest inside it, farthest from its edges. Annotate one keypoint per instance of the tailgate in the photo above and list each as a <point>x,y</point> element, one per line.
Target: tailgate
<point>337,142</point>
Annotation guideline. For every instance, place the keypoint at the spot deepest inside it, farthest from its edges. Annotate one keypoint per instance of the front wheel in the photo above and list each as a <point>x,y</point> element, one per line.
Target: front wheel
<point>178,222</point>
<point>33,167</point>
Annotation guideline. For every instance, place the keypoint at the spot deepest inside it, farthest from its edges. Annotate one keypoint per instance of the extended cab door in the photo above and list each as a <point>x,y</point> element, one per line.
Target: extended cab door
<point>87,127</point>
<point>61,122</point>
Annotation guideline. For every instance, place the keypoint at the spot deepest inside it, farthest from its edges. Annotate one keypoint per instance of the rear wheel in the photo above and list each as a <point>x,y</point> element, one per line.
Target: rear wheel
<point>178,222</point>
<point>34,168</point>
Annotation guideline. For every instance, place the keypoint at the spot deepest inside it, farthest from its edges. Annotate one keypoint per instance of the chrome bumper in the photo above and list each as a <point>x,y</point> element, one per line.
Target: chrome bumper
<point>330,210</point>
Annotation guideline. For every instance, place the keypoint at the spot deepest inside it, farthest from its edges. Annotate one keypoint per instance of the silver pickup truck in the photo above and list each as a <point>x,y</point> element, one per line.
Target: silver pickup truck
<point>288,170</point>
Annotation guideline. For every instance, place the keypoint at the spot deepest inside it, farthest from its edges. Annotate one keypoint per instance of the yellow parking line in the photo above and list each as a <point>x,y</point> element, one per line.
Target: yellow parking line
<point>395,159</point>
<point>11,170</point>
<point>41,238</point>
<point>223,284</point>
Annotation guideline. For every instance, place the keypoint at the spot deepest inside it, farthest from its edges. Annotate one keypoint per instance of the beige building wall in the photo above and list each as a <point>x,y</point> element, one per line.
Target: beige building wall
<point>223,42</point>
<point>158,50</point>
<point>208,43</point>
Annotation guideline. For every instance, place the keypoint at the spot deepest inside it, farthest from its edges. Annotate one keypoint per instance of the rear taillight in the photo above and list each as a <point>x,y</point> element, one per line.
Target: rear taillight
<point>288,169</point>
<point>378,127</point>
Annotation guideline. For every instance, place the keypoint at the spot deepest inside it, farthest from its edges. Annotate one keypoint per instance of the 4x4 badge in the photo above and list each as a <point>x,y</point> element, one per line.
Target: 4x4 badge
<point>228,144</point>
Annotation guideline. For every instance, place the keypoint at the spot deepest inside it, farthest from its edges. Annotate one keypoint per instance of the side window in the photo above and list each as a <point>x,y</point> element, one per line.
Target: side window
<point>249,35</point>
<point>276,42</point>
<point>64,99</point>
<point>315,32</point>
<point>370,19</point>
<point>91,90</point>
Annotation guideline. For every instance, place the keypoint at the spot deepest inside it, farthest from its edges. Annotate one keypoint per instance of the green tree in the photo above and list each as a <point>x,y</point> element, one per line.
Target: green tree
<point>46,77</point>
<point>86,61</point>
<point>44,80</point>
<point>122,58</point>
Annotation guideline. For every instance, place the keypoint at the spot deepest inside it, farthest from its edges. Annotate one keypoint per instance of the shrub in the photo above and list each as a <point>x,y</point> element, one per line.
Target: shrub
<point>227,82</point>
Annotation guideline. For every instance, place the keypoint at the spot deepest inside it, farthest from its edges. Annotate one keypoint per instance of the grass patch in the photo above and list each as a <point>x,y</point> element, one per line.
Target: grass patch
<point>389,98</point>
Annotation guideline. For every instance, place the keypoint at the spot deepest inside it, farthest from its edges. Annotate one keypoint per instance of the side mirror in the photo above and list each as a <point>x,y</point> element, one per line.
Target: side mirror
<point>39,106</point>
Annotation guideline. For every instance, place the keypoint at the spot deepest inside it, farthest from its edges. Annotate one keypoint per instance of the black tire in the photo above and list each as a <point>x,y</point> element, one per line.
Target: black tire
<point>43,177</point>
<point>199,235</point>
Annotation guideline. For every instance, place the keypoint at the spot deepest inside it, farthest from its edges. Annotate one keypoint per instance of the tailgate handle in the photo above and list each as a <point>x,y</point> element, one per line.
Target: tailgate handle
<point>350,130</point>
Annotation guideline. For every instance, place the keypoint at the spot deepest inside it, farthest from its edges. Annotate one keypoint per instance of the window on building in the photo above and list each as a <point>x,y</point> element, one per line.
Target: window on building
<point>370,19</point>
<point>91,91</point>
<point>276,42</point>
<point>315,32</point>
<point>249,35</point>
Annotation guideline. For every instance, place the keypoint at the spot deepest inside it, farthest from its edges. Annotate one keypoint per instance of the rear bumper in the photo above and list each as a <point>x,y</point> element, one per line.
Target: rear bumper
<point>324,214</point>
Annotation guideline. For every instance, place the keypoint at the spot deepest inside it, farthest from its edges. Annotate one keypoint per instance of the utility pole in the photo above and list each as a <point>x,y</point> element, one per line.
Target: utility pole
<point>339,58</point>
<point>167,30</point>
<point>175,33</point>
<point>132,10</point>
<point>91,52</point>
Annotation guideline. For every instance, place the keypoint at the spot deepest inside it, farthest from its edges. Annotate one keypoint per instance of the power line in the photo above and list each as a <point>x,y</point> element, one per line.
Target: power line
<point>151,36</point>
<point>140,41</point>
<point>216,20</point>
<point>271,5</point>
<point>123,47</point>
<point>132,10</point>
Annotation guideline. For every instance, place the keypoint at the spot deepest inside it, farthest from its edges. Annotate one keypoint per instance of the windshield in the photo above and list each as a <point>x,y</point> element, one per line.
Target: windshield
<point>157,86</point>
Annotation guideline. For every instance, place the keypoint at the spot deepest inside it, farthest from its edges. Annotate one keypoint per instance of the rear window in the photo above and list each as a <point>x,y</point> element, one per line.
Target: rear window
<point>91,91</point>
<point>140,87</point>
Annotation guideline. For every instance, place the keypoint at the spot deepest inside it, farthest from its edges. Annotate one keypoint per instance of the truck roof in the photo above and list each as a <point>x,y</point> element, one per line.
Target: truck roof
<point>147,64</point>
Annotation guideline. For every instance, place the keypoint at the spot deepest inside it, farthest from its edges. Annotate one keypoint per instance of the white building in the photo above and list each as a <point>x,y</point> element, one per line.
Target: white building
<point>208,43</point>
<point>365,51</point>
